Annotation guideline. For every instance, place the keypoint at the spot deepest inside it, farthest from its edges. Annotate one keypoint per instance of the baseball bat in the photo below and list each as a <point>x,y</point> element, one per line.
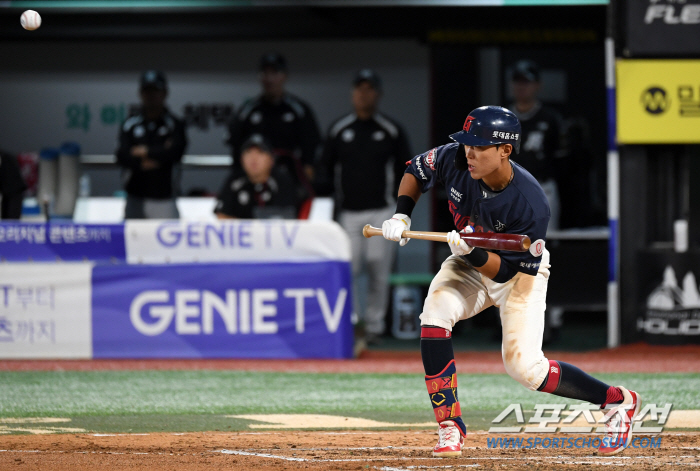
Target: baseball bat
<point>484,240</point>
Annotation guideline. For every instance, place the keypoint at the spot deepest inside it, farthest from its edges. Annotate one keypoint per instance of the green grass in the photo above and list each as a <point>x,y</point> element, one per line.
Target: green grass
<point>198,400</point>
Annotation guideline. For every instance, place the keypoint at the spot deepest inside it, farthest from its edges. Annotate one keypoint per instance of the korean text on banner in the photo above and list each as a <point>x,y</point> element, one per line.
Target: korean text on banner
<point>45,310</point>
<point>21,242</point>
<point>165,241</point>
<point>242,310</point>
<point>658,101</point>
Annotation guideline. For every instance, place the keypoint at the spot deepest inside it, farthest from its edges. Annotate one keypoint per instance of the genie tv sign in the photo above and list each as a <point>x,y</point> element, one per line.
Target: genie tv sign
<point>272,310</point>
<point>157,242</point>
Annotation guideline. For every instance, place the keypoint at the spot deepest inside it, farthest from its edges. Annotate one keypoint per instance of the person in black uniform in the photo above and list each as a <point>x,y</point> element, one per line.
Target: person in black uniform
<point>363,144</point>
<point>151,144</point>
<point>285,120</point>
<point>541,128</point>
<point>12,187</point>
<point>261,189</point>
<point>541,143</point>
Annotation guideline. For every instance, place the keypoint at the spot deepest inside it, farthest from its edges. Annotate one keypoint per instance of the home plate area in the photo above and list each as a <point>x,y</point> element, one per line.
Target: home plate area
<point>406,449</point>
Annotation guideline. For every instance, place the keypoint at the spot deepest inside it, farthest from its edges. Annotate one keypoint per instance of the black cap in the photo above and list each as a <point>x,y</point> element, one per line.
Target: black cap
<point>369,76</point>
<point>274,60</point>
<point>259,141</point>
<point>154,79</point>
<point>526,70</point>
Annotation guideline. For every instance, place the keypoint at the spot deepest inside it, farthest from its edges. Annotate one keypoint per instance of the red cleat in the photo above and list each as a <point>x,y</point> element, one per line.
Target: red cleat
<point>618,425</point>
<point>450,442</point>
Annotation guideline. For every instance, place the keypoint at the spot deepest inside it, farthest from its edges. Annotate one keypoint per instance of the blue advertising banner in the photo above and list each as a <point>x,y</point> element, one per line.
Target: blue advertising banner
<point>243,310</point>
<point>22,242</point>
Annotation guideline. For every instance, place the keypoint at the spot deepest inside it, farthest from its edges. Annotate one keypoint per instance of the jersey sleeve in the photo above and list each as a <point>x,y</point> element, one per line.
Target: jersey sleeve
<point>226,199</point>
<point>428,167</point>
<point>526,262</point>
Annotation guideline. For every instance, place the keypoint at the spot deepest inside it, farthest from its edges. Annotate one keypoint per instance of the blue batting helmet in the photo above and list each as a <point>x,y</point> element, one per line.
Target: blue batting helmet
<point>489,125</point>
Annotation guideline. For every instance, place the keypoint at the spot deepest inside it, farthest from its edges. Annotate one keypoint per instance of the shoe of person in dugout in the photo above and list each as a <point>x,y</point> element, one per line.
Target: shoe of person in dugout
<point>373,340</point>
<point>618,425</point>
<point>450,442</point>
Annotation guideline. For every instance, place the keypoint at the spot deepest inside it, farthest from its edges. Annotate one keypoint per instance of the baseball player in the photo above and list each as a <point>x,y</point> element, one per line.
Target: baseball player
<point>487,192</point>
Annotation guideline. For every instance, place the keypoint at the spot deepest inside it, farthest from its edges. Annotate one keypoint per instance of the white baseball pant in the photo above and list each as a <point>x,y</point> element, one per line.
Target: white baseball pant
<point>376,257</point>
<point>459,292</point>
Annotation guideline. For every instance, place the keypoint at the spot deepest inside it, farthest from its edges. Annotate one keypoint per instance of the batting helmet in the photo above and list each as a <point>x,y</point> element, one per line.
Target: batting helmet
<point>490,125</point>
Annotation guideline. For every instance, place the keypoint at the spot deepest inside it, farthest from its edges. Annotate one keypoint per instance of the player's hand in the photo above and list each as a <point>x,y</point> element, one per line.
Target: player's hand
<point>149,164</point>
<point>394,227</point>
<point>457,245</point>
<point>140,151</point>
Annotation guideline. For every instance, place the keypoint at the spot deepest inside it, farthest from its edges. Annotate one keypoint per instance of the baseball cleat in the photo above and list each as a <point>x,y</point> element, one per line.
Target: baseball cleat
<point>450,442</point>
<point>618,424</point>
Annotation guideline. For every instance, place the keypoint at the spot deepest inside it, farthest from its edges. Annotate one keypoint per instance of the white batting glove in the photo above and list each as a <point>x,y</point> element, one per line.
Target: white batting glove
<point>457,245</point>
<point>394,227</point>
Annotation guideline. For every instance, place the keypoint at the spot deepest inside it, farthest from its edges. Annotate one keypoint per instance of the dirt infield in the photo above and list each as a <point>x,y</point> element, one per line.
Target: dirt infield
<point>635,358</point>
<point>387,451</point>
<point>406,448</point>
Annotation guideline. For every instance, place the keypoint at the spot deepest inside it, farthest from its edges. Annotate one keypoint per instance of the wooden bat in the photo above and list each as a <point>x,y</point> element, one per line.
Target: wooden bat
<point>485,240</point>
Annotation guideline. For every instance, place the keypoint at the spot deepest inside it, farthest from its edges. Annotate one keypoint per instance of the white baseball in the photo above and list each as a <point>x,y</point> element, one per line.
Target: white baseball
<point>30,20</point>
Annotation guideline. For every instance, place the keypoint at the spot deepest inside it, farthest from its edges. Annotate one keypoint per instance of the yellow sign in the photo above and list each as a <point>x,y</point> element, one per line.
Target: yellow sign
<point>658,101</point>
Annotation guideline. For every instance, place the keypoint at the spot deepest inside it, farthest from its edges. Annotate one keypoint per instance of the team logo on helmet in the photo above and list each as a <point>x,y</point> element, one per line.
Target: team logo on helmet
<point>468,123</point>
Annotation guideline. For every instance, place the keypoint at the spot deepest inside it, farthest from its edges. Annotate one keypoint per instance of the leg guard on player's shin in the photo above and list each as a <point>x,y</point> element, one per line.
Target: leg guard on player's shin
<point>442,389</point>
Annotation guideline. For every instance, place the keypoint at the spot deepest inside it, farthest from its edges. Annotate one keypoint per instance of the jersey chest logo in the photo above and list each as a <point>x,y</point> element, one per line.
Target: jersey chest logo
<point>500,227</point>
<point>348,135</point>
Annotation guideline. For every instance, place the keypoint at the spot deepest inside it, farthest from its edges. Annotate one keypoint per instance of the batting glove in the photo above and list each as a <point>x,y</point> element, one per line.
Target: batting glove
<point>457,245</point>
<point>394,227</point>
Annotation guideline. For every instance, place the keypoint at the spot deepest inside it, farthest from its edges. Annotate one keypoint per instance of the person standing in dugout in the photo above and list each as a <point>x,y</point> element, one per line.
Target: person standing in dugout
<point>367,147</point>
<point>541,136</point>
<point>488,192</point>
<point>286,121</point>
<point>151,144</point>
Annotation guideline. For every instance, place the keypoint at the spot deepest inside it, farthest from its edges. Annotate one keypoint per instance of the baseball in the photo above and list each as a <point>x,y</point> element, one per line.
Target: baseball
<point>30,20</point>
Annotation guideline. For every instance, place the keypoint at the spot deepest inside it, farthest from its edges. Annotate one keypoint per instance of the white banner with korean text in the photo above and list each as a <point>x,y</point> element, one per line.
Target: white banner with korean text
<point>179,241</point>
<point>45,310</point>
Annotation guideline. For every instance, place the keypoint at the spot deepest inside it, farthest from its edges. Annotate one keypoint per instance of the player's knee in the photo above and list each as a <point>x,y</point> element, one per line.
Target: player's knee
<point>442,308</point>
<point>527,368</point>
<point>436,320</point>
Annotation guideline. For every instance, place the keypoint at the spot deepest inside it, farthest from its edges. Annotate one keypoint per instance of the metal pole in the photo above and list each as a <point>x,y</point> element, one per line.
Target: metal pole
<point>613,188</point>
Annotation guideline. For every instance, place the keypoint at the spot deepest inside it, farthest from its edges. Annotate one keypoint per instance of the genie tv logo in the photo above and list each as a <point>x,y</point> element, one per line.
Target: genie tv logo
<point>242,311</point>
<point>237,235</point>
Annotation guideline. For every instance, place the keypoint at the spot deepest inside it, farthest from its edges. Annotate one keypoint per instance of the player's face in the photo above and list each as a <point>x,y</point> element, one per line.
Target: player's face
<point>153,100</point>
<point>257,164</point>
<point>525,91</point>
<point>483,160</point>
<point>272,81</point>
<point>364,97</point>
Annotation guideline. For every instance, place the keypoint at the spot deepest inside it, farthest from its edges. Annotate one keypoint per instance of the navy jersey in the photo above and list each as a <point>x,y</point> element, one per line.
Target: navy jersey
<point>520,208</point>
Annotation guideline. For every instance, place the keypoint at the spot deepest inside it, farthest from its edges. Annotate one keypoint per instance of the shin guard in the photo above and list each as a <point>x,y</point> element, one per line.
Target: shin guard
<point>442,389</point>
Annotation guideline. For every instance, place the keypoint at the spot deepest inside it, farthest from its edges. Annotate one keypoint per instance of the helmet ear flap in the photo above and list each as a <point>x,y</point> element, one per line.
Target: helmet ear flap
<point>461,158</point>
